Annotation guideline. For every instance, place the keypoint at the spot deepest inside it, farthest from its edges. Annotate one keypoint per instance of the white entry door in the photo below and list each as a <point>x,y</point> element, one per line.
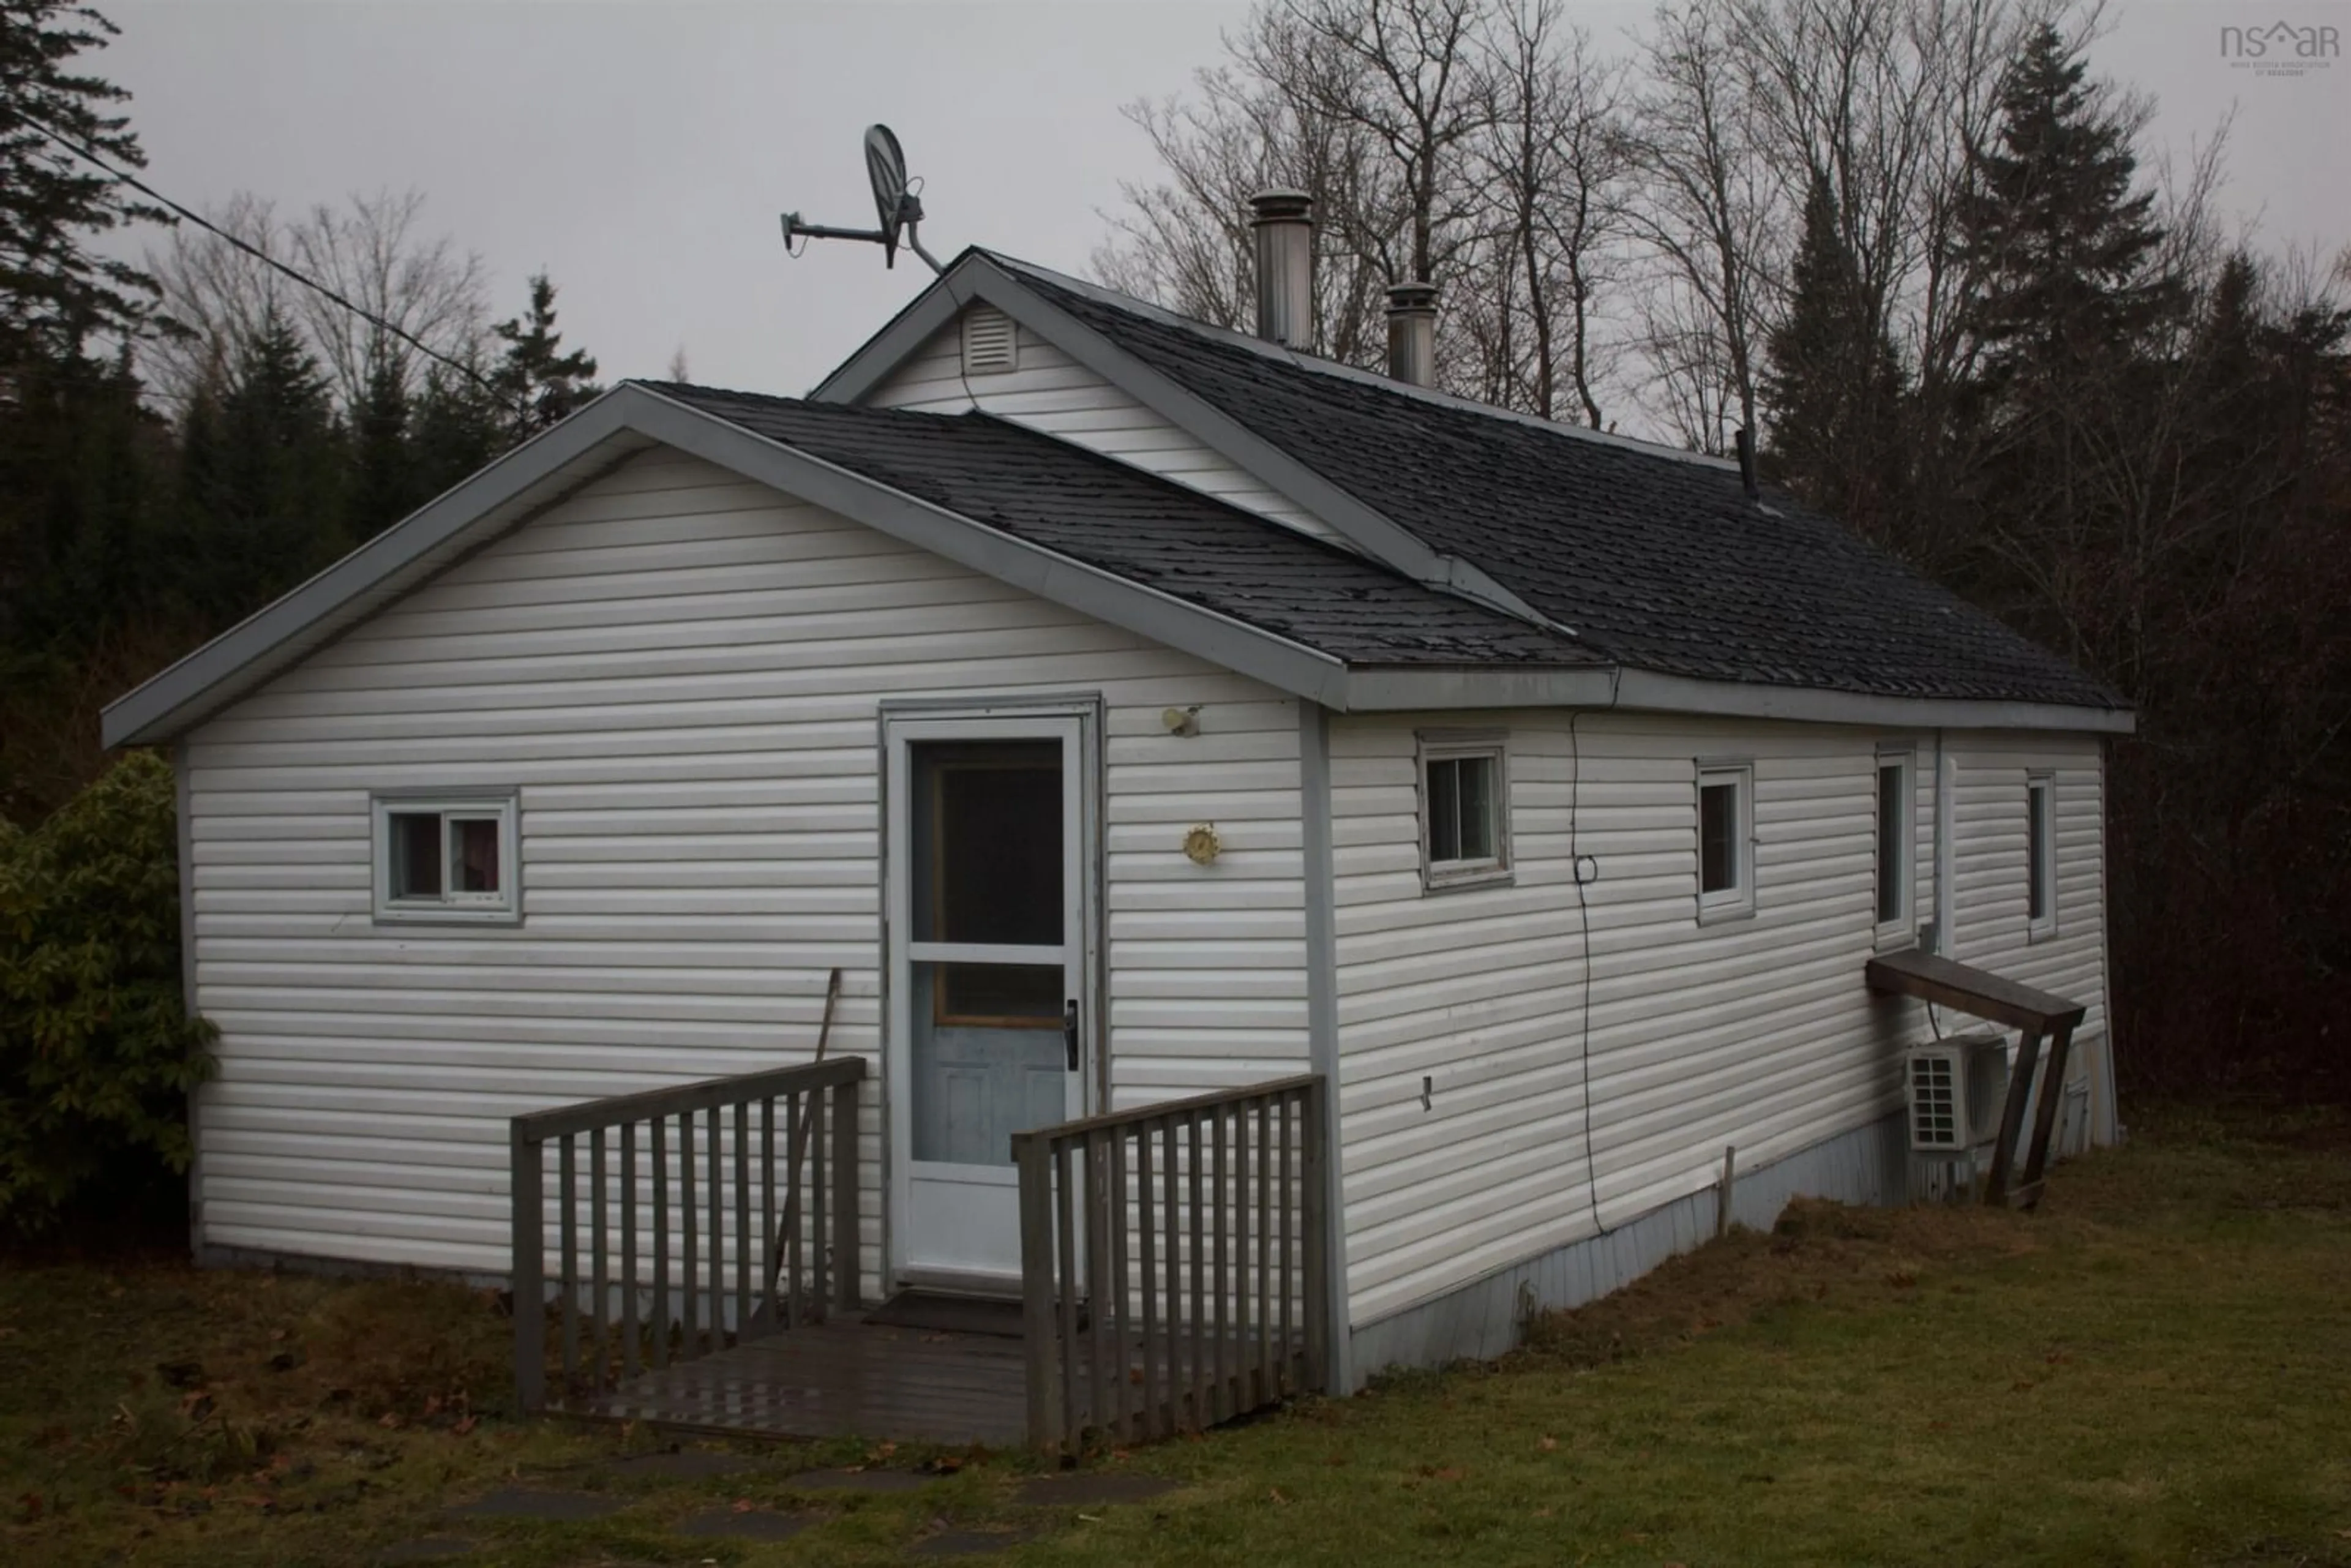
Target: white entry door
<point>990,945</point>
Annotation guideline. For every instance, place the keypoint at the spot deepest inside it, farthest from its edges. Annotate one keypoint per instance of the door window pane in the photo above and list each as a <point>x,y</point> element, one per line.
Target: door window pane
<point>1000,994</point>
<point>987,842</point>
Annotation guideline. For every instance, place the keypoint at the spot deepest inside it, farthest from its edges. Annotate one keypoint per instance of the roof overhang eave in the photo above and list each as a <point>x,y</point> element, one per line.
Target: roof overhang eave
<point>629,419</point>
<point>526,481</point>
<point>1401,688</point>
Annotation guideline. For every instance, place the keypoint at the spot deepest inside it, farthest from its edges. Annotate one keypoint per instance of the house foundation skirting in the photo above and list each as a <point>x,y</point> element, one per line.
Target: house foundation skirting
<point>1483,1319</point>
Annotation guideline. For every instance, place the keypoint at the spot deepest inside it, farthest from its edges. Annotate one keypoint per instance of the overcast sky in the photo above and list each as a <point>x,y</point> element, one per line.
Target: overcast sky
<point>642,154</point>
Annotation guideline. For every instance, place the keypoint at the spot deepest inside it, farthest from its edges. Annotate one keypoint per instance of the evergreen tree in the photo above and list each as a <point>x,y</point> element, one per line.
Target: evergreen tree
<point>455,426</point>
<point>262,464</point>
<point>541,383</point>
<point>2061,244</point>
<point>384,483</point>
<point>55,293</point>
<point>1834,384</point>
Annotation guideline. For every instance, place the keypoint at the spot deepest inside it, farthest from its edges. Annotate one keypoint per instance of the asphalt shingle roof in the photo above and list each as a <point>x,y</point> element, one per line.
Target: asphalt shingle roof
<point>1148,531</point>
<point>1652,558</point>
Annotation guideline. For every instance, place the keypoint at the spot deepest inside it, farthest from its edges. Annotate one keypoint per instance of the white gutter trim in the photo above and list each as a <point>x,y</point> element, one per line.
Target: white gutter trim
<point>1397,688</point>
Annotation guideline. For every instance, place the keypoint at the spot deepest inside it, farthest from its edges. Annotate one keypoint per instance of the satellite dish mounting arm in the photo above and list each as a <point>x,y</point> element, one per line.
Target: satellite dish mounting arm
<point>899,210</point>
<point>794,229</point>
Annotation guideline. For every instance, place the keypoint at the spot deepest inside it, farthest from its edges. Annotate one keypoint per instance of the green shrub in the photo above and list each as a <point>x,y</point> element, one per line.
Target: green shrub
<point>97,1053</point>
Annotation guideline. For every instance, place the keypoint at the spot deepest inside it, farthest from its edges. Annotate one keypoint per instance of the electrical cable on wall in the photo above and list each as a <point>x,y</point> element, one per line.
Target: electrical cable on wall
<point>263,256</point>
<point>1584,919</point>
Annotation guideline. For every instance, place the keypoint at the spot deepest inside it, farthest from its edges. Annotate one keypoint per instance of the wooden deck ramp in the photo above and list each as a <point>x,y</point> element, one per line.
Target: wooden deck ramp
<point>1173,1266</point>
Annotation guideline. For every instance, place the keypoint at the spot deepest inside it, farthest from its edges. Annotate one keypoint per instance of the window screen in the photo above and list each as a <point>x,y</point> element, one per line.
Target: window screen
<point>416,855</point>
<point>1893,840</point>
<point>1462,809</point>
<point>1718,837</point>
<point>2040,872</point>
<point>439,859</point>
<point>987,842</point>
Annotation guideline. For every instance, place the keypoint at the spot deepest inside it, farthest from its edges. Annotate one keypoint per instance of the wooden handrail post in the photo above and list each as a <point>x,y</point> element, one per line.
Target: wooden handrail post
<point>845,1269</point>
<point>529,1285</point>
<point>1038,1332</point>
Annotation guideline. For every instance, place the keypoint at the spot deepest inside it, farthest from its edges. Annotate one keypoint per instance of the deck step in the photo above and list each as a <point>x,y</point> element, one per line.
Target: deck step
<point>941,1311</point>
<point>954,1311</point>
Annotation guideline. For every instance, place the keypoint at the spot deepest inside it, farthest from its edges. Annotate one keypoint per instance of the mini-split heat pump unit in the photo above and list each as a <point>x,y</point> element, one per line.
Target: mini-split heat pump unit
<point>1957,1089</point>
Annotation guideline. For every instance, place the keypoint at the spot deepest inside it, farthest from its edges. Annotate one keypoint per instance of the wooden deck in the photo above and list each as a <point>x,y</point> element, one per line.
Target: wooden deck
<point>866,1380</point>
<point>834,1380</point>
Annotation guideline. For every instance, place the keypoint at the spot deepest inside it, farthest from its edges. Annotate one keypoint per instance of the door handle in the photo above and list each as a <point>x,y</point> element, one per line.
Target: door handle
<point>1070,1031</point>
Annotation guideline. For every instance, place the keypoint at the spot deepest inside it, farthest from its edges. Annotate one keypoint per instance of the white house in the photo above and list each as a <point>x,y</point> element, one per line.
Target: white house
<point>1129,709</point>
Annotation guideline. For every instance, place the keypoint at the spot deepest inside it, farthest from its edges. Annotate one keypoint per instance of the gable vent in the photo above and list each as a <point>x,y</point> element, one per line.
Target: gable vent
<point>990,344</point>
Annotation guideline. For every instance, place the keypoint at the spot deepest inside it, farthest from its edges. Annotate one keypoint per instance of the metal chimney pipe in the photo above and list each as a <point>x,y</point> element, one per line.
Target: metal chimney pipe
<point>1283,222</point>
<point>1412,333</point>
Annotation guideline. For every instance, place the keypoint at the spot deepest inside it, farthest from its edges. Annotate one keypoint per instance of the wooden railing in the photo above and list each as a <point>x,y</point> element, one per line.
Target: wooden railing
<point>704,1223</point>
<point>1175,1263</point>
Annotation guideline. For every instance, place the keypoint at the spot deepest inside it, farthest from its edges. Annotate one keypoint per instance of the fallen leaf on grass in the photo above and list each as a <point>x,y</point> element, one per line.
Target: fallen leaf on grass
<point>1546,1443</point>
<point>1277,1494</point>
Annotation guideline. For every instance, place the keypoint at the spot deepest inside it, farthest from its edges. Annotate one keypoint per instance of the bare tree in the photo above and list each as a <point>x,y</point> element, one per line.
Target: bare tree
<point>1706,215</point>
<point>1553,159</point>
<point>371,251</point>
<point>1184,243</point>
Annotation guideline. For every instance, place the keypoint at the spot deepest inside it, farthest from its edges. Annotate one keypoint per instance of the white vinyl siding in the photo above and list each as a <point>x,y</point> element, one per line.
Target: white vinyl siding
<point>680,674</point>
<point>1757,1033</point>
<point>1052,392</point>
<point>1991,880</point>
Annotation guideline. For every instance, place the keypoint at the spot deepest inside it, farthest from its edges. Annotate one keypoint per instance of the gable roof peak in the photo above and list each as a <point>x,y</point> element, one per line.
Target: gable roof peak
<point>1283,354</point>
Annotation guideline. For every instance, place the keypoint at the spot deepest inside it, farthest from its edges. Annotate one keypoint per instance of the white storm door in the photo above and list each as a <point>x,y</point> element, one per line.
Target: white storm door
<point>989,961</point>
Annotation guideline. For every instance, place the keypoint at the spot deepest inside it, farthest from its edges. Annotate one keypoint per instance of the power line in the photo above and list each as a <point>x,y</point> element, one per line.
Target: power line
<point>263,256</point>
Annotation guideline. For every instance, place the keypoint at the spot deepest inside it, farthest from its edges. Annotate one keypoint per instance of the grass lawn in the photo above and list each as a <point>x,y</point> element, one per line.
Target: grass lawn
<point>2156,1368</point>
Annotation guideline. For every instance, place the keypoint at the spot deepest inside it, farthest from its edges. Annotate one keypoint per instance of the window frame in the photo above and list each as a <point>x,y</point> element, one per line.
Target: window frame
<point>1454,745</point>
<point>449,908</point>
<point>1900,928</point>
<point>2041,805</point>
<point>1736,902</point>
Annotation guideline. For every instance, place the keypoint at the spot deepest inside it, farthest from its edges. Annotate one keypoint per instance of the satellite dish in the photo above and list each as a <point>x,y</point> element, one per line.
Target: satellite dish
<point>899,210</point>
<point>885,166</point>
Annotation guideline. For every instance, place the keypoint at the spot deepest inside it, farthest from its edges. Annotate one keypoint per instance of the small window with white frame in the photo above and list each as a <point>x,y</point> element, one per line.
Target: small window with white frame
<point>1464,808</point>
<point>1897,836</point>
<point>1726,841</point>
<point>446,858</point>
<point>2040,856</point>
